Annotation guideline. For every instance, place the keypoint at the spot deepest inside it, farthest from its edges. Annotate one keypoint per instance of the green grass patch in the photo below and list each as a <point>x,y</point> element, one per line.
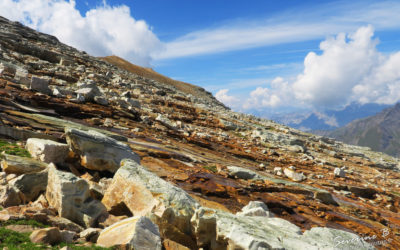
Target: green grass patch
<point>24,222</point>
<point>14,240</point>
<point>211,168</point>
<point>13,149</point>
<point>75,247</point>
<point>396,193</point>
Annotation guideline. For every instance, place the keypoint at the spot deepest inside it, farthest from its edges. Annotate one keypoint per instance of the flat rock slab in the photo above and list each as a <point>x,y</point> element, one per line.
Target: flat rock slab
<point>215,229</point>
<point>98,151</point>
<point>12,164</point>
<point>137,233</point>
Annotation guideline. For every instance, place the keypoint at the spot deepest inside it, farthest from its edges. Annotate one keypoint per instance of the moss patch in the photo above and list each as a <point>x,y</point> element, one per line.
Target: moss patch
<point>15,240</point>
<point>24,222</point>
<point>13,149</point>
<point>211,168</point>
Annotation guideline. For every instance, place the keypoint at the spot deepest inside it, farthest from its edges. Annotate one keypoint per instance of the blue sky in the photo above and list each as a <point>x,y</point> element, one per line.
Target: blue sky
<point>251,55</point>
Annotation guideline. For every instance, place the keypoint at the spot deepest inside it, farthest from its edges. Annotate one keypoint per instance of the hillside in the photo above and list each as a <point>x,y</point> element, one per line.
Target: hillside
<point>380,132</point>
<point>151,74</point>
<point>103,156</point>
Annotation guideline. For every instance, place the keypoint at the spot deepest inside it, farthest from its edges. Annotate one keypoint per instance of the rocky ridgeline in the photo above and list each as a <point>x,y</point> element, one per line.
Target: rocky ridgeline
<point>121,160</point>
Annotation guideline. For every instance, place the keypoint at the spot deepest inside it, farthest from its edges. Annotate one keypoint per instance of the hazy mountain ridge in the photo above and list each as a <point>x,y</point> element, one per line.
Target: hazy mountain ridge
<point>380,132</point>
<point>329,119</point>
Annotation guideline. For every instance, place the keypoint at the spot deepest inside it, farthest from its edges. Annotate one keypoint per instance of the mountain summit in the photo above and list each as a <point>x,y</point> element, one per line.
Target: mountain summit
<point>114,155</point>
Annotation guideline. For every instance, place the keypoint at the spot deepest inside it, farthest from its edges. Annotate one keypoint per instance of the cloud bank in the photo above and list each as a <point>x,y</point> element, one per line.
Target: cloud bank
<point>102,31</point>
<point>317,23</point>
<point>348,69</point>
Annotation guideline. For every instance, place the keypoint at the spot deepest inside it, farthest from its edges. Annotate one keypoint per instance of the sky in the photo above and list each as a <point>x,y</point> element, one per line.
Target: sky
<point>259,57</point>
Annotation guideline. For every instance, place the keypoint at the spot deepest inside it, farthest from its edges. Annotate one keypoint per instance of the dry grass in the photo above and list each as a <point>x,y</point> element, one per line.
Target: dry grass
<point>151,74</point>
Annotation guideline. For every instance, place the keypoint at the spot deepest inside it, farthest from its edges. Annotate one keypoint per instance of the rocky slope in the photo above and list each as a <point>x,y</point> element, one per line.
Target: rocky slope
<point>380,132</point>
<point>119,159</point>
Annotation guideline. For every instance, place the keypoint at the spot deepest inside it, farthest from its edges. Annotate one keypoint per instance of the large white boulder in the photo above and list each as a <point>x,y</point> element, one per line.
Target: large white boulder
<point>138,233</point>
<point>143,192</point>
<point>221,230</point>
<point>98,151</point>
<point>70,195</point>
<point>46,150</point>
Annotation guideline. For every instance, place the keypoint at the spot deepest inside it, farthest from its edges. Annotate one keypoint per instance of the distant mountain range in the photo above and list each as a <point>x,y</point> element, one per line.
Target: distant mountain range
<point>380,132</point>
<point>330,119</point>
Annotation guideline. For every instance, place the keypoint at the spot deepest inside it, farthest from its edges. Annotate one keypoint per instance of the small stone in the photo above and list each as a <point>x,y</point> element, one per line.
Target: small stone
<point>10,196</point>
<point>278,171</point>
<point>291,174</point>
<point>101,100</point>
<point>66,248</point>
<point>49,235</point>
<point>89,92</point>
<point>90,234</point>
<point>172,245</point>
<point>241,173</point>
<point>80,98</point>
<point>338,172</point>
<point>67,236</point>
<point>40,84</point>
<point>30,185</point>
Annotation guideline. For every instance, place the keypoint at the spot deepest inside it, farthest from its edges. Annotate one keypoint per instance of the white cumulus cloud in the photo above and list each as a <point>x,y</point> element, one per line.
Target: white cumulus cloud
<point>222,96</point>
<point>102,31</point>
<point>349,69</point>
<point>328,79</point>
<point>272,97</point>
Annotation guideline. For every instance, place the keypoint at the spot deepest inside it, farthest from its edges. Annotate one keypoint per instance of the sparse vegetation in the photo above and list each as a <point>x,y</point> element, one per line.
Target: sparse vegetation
<point>75,247</point>
<point>24,222</point>
<point>396,193</point>
<point>13,149</point>
<point>14,240</point>
<point>211,168</point>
